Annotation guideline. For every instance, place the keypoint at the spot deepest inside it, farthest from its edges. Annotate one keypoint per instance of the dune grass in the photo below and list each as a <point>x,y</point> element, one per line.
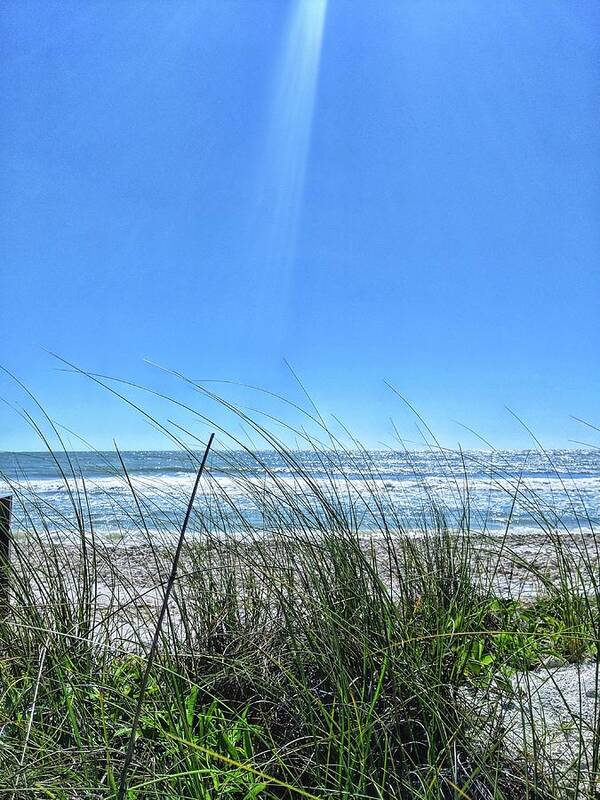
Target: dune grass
<point>306,656</point>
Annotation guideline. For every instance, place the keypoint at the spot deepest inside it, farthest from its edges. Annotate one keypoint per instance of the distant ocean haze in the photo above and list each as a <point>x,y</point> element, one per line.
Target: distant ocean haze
<point>559,489</point>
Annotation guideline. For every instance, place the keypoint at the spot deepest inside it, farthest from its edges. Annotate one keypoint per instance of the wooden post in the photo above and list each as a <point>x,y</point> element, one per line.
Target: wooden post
<point>5,512</point>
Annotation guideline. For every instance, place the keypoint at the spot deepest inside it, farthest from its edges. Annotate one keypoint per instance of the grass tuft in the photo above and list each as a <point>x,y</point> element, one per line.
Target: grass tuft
<point>324,647</point>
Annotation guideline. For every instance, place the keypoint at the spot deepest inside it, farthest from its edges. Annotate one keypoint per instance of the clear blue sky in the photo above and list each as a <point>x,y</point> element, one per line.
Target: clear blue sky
<point>410,193</point>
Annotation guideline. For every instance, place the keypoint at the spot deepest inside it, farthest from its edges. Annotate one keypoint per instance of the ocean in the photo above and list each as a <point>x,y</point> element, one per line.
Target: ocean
<point>559,489</point>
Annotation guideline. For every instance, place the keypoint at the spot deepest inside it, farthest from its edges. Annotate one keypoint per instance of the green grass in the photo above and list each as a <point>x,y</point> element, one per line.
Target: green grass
<point>298,658</point>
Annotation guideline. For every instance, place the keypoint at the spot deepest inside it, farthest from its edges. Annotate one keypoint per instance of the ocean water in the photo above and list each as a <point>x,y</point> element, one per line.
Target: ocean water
<point>558,489</point>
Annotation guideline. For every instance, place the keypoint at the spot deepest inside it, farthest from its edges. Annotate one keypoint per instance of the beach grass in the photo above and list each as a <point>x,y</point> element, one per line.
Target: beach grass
<point>311,655</point>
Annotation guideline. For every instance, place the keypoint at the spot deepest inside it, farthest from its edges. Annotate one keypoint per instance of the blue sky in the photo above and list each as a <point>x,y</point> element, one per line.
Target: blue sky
<point>400,191</point>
